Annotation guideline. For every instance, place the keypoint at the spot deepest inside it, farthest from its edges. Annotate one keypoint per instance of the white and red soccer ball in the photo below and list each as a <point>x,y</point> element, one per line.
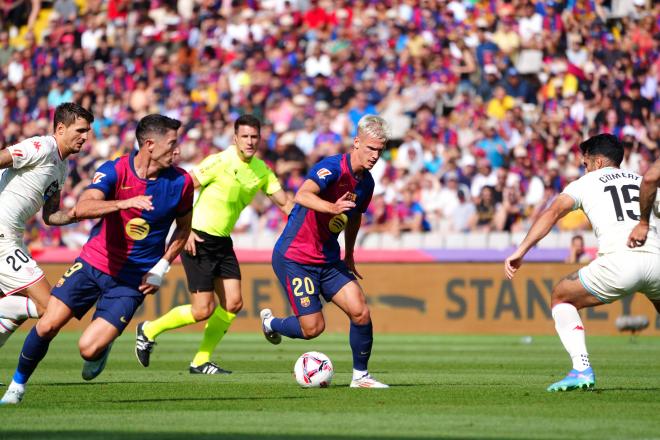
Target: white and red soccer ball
<point>313,370</point>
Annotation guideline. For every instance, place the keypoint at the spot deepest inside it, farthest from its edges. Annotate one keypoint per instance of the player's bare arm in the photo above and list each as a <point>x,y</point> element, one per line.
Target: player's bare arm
<point>152,280</point>
<point>5,159</point>
<point>282,200</point>
<point>350,235</point>
<point>561,206</point>
<point>92,204</point>
<point>308,196</point>
<point>647,193</point>
<point>53,216</point>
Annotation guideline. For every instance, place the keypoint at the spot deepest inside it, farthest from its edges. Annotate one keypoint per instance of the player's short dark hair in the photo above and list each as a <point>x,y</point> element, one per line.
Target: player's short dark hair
<point>249,120</point>
<point>604,144</point>
<point>68,112</point>
<point>155,124</point>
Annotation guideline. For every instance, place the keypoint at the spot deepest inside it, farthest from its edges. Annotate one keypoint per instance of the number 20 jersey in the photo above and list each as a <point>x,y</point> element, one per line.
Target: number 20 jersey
<point>610,199</point>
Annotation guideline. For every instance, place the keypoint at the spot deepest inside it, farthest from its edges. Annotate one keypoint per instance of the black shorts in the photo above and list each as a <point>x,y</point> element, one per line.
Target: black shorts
<point>215,259</point>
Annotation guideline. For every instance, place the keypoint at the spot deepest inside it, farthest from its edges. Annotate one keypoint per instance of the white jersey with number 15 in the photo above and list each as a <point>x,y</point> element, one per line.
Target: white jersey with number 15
<point>610,199</point>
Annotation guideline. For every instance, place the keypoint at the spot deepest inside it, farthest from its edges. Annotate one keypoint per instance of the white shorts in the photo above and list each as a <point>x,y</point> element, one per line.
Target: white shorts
<point>17,268</point>
<point>618,274</point>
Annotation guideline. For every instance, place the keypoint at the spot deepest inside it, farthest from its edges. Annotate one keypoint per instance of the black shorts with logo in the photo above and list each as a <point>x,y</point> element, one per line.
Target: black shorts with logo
<point>215,259</point>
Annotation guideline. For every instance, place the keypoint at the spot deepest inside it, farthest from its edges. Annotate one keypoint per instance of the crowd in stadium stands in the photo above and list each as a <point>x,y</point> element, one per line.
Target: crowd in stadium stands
<point>487,100</point>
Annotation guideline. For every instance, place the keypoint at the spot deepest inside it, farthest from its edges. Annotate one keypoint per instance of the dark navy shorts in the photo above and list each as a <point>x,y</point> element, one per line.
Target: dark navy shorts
<point>83,285</point>
<point>306,283</point>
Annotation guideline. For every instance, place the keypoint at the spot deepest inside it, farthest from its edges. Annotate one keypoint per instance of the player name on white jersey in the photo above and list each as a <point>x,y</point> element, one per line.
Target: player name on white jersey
<point>610,199</point>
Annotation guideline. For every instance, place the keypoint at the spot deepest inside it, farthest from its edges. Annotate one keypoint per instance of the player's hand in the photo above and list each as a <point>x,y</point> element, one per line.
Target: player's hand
<point>343,204</point>
<point>638,235</point>
<point>512,264</point>
<point>147,288</point>
<point>191,246</point>
<point>350,263</point>
<point>138,202</point>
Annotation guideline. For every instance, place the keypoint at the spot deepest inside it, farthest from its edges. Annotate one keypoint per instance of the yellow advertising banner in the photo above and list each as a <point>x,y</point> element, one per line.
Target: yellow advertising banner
<point>436,298</point>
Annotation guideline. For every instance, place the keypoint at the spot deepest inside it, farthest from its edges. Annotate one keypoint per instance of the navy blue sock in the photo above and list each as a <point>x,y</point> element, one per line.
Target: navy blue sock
<point>34,349</point>
<point>361,337</point>
<point>289,327</point>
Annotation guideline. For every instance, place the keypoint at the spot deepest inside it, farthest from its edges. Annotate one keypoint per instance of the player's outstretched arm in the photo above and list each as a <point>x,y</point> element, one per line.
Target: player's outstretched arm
<point>154,278</point>
<point>561,206</point>
<point>350,235</point>
<point>53,216</point>
<point>282,200</point>
<point>92,204</point>
<point>647,193</point>
<point>308,196</point>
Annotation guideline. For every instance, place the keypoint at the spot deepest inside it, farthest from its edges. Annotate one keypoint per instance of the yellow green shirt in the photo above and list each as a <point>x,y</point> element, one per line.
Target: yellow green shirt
<point>228,185</point>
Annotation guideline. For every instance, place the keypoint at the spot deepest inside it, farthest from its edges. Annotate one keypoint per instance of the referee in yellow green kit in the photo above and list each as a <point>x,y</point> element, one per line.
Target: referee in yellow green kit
<point>229,181</point>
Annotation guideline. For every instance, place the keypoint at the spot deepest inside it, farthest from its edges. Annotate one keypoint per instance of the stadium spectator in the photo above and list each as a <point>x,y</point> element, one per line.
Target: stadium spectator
<point>434,70</point>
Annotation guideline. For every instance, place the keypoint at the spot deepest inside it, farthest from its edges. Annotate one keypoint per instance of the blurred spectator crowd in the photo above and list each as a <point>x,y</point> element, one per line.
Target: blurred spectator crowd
<point>487,100</point>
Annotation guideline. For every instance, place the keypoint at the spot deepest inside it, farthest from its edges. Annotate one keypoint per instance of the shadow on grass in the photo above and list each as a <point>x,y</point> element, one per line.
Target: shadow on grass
<point>606,390</point>
<point>16,435</point>
<point>202,399</point>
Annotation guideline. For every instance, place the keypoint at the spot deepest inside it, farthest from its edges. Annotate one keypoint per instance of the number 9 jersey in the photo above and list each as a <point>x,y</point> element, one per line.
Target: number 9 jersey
<point>610,199</point>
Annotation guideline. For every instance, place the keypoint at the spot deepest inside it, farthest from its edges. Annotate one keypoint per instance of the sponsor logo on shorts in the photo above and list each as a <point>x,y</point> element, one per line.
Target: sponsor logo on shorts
<point>123,319</point>
<point>323,172</point>
<point>338,223</point>
<point>304,302</point>
<point>16,152</point>
<point>137,228</point>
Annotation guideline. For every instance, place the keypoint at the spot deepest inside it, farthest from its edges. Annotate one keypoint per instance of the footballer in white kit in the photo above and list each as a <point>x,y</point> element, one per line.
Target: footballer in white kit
<point>609,196</point>
<point>36,169</point>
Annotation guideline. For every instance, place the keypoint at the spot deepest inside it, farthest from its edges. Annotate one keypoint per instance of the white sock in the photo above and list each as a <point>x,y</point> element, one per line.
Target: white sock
<point>267,322</point>
<point>18,308</point>
<point>571,332</point>
<point>358,374</point>
<point>16,386</point>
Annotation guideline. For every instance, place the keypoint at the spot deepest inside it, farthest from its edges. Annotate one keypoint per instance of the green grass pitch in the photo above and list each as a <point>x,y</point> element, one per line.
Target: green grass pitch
<point>443,387</point>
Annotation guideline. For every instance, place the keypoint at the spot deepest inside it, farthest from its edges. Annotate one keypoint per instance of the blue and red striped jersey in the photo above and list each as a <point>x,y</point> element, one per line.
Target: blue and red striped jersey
<point>310,237</point>
<point>127,243</point>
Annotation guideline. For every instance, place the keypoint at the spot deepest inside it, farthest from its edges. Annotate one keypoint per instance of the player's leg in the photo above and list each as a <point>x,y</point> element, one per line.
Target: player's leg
<point>350,298</point>
<point>25,288</point>
<point>230,303</point>
<point>114,310</point>
<point>603,281</point>
<point>36,346</point>
<point>199,273</point>
<point>94,345</point>
<point>302,285</point>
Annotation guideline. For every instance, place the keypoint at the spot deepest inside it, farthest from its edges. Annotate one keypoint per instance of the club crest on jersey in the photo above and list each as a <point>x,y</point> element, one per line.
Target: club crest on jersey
<point>304,301</point>
<point>36,144</point>
<point>338,223</point>
<point>137,228</point>
<point>98,176</point>
<point>323,172</point>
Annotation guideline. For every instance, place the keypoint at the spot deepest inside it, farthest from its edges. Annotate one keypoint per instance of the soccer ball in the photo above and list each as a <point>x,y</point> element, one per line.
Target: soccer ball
<point>313,370</point>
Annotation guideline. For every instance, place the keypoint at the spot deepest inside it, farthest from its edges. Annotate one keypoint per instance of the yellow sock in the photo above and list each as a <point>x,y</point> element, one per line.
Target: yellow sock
<point>215,329</point>
<point>175,318</point>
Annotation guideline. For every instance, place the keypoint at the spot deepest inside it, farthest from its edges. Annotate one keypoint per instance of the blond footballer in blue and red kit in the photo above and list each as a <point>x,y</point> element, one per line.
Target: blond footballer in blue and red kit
<point>306,258</point>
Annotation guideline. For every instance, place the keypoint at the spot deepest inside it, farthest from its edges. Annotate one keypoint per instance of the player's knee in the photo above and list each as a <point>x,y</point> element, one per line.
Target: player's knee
<point>310,332</point>
<point>89,350</point>
<point>234,306</point>
<point>203,311</point>
<point>47,329</point>
<point>361,317</point>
